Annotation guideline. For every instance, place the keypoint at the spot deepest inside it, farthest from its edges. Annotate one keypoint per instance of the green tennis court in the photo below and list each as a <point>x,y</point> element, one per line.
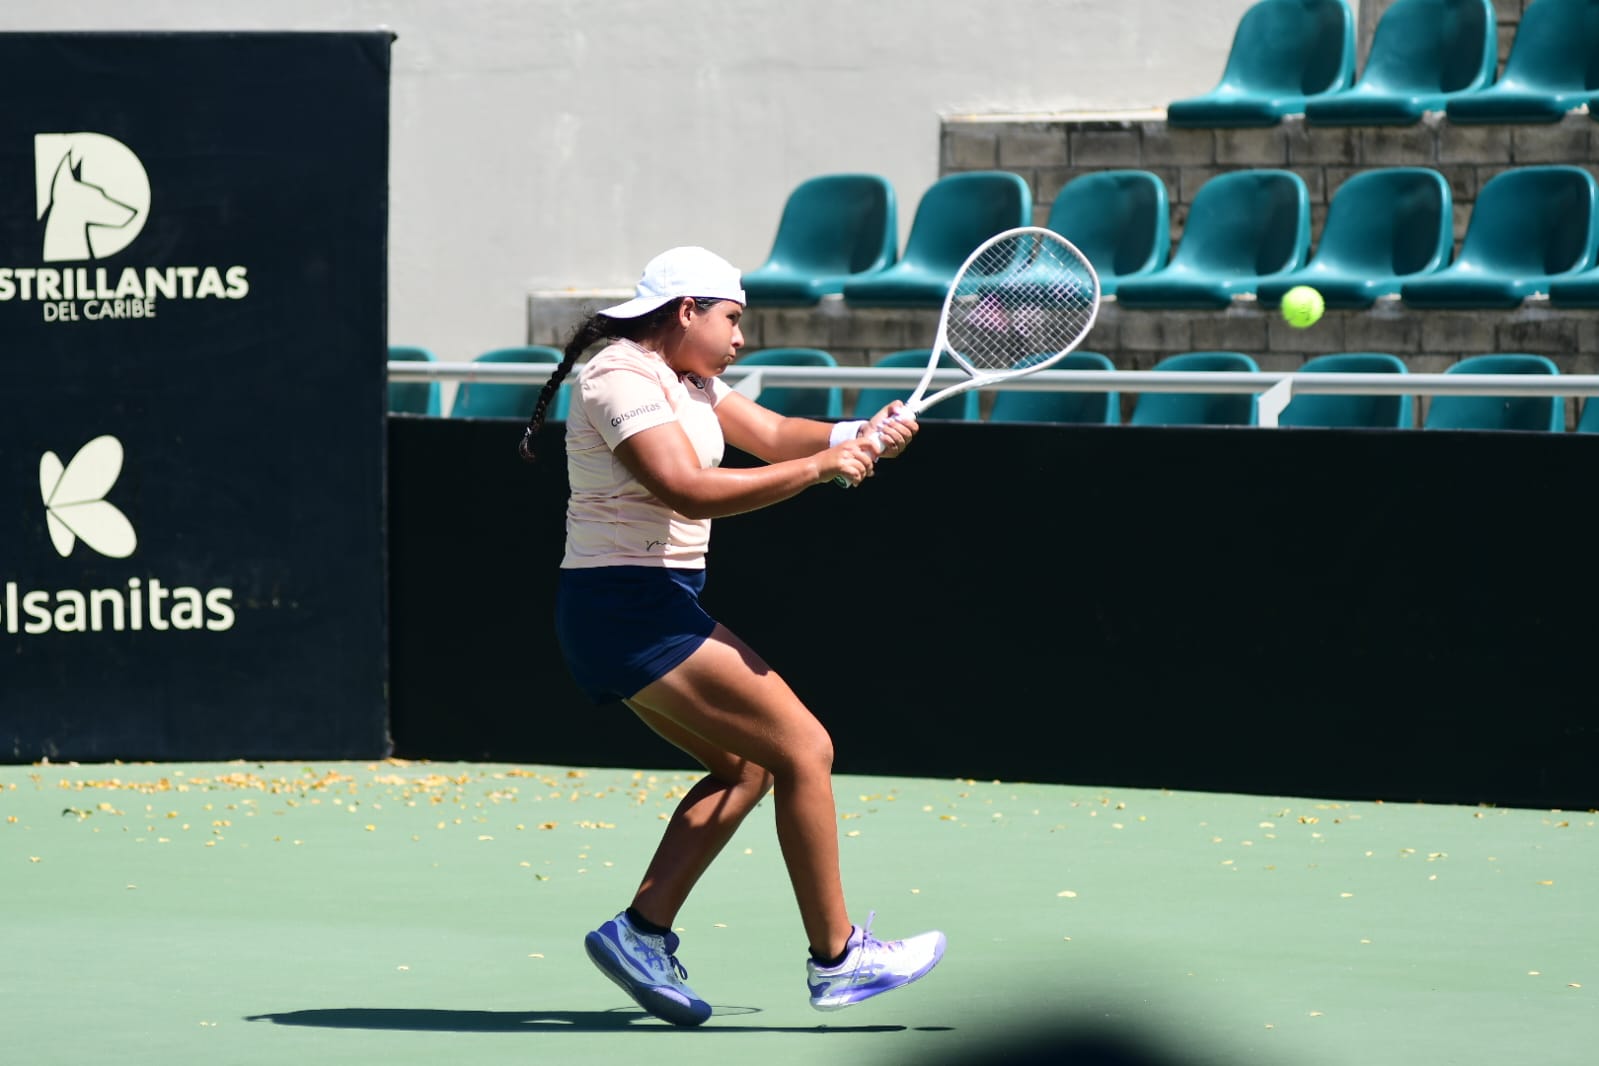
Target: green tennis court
<point>398,913</point>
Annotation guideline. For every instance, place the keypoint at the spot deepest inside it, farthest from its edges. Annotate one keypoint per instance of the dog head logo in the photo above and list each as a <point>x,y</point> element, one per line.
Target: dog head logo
<point>93,195</point>
<point>75,506</point>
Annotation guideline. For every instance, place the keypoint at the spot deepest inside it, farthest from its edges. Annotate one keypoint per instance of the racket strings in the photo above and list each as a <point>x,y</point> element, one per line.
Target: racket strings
<point>1024,299</point>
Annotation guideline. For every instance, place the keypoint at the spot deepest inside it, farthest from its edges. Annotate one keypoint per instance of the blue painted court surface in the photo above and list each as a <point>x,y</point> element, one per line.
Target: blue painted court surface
<point>413,913</point>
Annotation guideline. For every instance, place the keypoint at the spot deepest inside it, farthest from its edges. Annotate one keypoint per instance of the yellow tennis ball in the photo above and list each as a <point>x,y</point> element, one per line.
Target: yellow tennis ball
<point>1302,306</point>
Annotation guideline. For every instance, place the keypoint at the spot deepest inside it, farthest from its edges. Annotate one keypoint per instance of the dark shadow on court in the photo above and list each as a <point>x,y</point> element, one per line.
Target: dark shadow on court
<point>1083,1044</point>
<point>541,1021</point>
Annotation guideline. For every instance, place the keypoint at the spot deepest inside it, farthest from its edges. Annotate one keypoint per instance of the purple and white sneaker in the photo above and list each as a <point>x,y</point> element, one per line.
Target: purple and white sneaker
<point>645,966</point>
<point>872,967</point>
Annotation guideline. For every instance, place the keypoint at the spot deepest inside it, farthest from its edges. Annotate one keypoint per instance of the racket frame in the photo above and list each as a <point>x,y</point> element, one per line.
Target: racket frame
<point>919,401</point>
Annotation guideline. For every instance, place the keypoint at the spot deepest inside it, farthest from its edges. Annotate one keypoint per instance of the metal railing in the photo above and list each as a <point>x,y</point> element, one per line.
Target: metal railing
<point>1274,388</point>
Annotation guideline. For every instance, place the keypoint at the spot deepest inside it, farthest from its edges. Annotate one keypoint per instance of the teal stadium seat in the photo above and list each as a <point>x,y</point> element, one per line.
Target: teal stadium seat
<point>1579,290</point>
<point>1553,67</point>
<point>806,403</point>
<point>1243,228</point>
<point>1351,412</point>
<point>1199,408</point>
<point>956,214</point>
<point>833,228</point>
<point>479,399</point>
<point>1119,219</point>
<point>1424,54</point>
<point>1102,408</point>
<point>1285,53</point>
<point>413,397</point>
<point>1529,227</point>
<point>1589,420</point>
<point>1383,227</point>
<point>957,408</point>
<point>1544,414</point>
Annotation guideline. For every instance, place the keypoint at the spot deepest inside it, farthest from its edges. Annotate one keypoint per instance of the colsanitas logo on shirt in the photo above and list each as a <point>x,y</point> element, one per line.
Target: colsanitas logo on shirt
<point>644,410</point>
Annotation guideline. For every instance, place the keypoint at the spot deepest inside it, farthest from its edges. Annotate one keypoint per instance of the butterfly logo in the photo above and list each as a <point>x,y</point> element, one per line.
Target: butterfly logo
<point>75,506</point>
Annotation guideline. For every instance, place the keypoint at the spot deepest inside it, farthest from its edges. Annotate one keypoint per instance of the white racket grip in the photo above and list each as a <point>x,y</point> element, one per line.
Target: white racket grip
<point>877,439</point>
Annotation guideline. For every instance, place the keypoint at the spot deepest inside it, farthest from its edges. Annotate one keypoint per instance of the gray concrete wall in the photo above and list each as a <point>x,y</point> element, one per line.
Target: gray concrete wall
<point>1051,153</point>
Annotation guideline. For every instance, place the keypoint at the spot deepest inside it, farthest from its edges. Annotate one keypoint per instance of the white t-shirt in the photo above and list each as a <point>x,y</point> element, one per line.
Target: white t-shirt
<point>612,519</point>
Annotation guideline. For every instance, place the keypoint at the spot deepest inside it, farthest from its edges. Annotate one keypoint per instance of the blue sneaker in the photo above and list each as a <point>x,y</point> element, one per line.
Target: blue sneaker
<point>872,967</point>
<point>645,966</point>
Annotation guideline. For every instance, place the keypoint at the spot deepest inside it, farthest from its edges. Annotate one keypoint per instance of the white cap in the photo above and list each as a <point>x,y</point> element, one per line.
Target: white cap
<point>680,272</point>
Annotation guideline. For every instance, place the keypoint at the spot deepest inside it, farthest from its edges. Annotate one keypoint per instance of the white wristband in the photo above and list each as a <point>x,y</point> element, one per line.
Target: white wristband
<point>843,431</point>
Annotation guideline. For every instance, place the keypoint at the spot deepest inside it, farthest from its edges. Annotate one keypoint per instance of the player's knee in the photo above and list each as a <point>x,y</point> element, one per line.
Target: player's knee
<point>816,753</point>
<point>804,753</point>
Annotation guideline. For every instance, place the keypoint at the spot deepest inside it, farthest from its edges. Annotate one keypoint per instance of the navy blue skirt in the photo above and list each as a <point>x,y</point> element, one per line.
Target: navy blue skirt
<point>623,627</point>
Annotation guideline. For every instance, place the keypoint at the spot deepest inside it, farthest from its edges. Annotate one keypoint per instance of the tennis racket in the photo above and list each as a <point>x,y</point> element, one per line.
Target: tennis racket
<point>1019,303</point>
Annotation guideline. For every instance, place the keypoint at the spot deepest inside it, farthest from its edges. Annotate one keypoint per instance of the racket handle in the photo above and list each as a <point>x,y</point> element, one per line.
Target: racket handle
<point>843,482</point>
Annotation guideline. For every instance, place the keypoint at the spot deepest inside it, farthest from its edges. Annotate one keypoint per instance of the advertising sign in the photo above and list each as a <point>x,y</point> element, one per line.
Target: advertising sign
<point>192,348</point>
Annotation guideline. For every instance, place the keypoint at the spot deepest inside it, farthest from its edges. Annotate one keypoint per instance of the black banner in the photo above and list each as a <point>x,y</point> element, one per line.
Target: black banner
<point>1354,614</point>
<point>192,348</point>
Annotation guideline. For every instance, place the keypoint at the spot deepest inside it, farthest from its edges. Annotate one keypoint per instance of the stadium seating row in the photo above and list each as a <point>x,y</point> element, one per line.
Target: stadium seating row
<point>1476,412</point>
<point>1389,232</point>
<point>1293,57</point>
<point>838,234</point>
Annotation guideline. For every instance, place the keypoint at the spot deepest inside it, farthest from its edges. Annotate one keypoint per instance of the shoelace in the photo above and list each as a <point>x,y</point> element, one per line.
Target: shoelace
<point>868,939</point>
<point>871,946</point>
<point>655,948</point>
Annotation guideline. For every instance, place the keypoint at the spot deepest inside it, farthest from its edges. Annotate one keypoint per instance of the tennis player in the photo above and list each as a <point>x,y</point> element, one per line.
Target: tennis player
<point>644,440</point>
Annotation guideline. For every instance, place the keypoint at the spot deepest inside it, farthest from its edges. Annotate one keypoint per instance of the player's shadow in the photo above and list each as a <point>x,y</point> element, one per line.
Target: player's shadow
<point>543,1021</point>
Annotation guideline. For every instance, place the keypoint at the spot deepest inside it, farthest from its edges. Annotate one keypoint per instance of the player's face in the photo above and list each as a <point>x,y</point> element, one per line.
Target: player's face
<point>711,337</point>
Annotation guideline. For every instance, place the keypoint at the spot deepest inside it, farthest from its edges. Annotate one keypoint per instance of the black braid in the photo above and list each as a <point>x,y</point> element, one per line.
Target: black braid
<point>591,331</point>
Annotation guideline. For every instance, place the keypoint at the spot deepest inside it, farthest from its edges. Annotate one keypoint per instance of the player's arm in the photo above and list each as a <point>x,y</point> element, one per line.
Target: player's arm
<point>775,438</point>
<point>768,435</point>
<point>664,461</point>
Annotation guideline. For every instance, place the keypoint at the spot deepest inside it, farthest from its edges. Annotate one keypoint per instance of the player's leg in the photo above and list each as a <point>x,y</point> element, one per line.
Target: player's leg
<point>732,713</point>
<point>727,695</point>
<point>638,949</point>
<point>728,708</point>
<point>703,822</point>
